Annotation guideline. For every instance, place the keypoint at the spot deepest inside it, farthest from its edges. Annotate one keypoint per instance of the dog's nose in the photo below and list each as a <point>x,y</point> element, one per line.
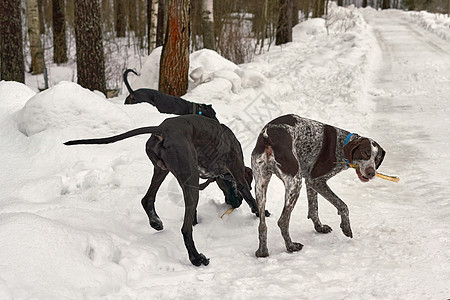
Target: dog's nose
<point>370,172</point>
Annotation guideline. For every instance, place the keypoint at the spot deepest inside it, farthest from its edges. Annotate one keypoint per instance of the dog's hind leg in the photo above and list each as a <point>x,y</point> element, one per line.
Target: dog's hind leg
<point>292,190</point>
<point>262,177</point>
<point>181,159</point>
<point>148,202</point>
<point>320,185</point>
<point>313,210</point>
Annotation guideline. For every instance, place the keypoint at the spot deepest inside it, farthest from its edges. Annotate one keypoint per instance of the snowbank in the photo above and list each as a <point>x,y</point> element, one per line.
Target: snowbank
<point>438,24</point>
<point>69,105</point>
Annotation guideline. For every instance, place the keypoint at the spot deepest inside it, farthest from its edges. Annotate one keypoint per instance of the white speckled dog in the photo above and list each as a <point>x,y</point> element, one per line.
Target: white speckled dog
<point>293,148</point>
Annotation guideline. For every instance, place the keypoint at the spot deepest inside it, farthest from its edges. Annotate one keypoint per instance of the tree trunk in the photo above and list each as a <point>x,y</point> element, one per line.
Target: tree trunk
<point>264,24</point>
<point>284,26</point>
<point>142,24</point>
<point>160,26</point>
<point>364,3</point>
<point>385,4</point>
<point>152,13</point>
<point>34,29</point>
<point>12,67</point>
<point>121,22</point>
<point>106,14</point>
<point>340,3</point>
<point>132,20</point>
<point>59,32</point>
<point>295,9</point>
<point>88,37</point>
<point>174,65</point>
<point>208,24</point>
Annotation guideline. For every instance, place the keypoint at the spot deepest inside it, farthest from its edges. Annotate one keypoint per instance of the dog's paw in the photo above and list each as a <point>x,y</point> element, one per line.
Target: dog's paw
<point>262,252</point>
<point>156,224</point>
<point>200,260</point>
<point>293,247</point>
<point>346,230</point>
<point>323,229</point>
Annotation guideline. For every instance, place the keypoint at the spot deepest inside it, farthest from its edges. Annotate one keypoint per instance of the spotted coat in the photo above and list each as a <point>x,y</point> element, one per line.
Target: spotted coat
<point>293,148</point>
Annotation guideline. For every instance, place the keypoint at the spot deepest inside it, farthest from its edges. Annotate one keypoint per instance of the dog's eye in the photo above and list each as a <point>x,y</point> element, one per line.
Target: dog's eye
<point>365,155</point>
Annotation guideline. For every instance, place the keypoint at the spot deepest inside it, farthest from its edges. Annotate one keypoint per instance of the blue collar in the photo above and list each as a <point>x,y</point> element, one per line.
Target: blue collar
<point>347,139</point>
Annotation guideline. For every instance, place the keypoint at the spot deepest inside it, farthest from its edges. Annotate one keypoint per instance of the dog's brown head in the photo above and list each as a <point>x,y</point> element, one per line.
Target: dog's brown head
<point>367,155</point>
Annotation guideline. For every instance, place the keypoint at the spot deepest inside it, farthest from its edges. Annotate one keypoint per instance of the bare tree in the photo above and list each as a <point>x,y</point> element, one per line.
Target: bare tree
<point>142,23</point>
<point>88,36</point>
<point>132,15</point>
<point>160,26</point>
<point>12,66</point>
<point>34,34</point>
<point>284,26</point>
<point>208,24</point>
<point>120,18</point>
<point>152,12</point>
<point>174,65</point>
<point>59,32</point>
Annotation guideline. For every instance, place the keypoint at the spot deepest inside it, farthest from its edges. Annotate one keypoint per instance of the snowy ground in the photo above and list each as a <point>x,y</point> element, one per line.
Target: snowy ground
<point>71,224</point>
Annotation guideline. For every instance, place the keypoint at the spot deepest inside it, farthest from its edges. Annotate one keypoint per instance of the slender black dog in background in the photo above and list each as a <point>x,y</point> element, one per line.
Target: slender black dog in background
<point>166,104</point>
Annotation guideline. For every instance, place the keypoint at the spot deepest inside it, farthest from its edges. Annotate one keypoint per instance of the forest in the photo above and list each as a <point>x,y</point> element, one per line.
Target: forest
<point>98,40</point>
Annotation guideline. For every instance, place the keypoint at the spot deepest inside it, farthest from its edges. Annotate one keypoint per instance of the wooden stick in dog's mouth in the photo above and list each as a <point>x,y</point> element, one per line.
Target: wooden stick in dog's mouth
<point>379,175</point>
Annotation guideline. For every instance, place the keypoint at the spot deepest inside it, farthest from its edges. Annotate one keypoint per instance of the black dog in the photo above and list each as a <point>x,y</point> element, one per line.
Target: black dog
<point>178,106</point>
<point>190,147</point>
<point>165,103</point>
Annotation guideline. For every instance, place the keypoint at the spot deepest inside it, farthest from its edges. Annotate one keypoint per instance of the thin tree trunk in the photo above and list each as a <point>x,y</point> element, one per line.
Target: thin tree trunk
<point>152,12</point>
<point>142,24</point>
<point>174,66</point>
<point>284,26</point>
<point>90,55</point>
<point>34,29</point>
<point>295,9</point>
<point>264,23</point>
<point>132,16</point>
<point>41,17</point>
<point>160,27</point>
<point>12,66</point>
<point>120,16</point>
<point>59,32</point>
<point>106,16</point>
<point>208,24</point>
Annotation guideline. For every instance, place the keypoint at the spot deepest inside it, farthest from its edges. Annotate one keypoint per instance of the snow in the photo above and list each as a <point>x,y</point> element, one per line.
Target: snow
<point>71,223</point>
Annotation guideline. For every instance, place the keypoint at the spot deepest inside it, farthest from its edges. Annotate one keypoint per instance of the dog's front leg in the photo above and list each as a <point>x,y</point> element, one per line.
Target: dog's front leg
<point>320,185</point>
<point>292,191</point>
<point>313,210</point>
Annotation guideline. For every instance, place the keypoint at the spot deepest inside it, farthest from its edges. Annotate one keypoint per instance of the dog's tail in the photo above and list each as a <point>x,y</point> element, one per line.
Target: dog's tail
<point>115,138</point>
<point>125,80</point>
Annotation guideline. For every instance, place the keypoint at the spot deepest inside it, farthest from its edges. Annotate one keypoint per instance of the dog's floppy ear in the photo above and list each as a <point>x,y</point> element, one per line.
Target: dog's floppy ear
<point>327,156</point>
<point>380,157</point>
<point>350,148</point>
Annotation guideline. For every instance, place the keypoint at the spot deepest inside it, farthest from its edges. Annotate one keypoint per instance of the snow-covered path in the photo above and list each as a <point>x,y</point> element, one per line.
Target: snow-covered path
<point>411,93</point>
